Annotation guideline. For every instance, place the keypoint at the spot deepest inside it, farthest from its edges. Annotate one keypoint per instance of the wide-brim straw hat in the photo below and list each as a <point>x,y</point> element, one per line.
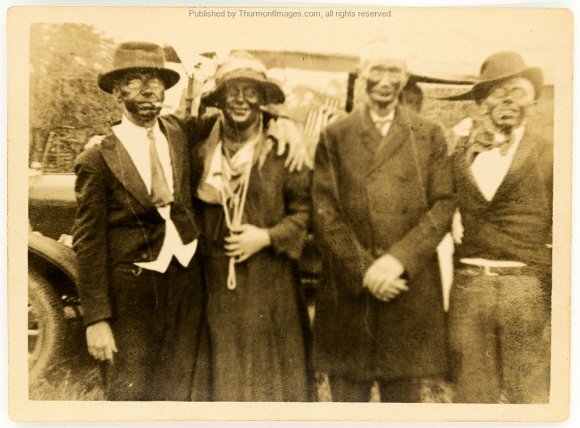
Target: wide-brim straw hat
<point>140,57</point>
<point>499,67</point>
<point>243,66</point>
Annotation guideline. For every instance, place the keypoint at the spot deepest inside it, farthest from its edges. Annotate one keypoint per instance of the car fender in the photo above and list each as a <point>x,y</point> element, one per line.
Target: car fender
<point>54,254</point>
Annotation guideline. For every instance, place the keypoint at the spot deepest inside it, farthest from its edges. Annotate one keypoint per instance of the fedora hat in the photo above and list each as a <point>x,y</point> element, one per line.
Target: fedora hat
<point>137,56</point>
<point>499,67</point>
<point>242,65</point>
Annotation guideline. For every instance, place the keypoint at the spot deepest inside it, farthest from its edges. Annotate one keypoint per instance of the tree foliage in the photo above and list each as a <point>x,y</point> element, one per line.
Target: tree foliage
<point>65,100</point>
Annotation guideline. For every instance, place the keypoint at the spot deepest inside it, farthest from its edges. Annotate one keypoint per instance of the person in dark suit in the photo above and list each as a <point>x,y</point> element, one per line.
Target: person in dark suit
<point>499,317</point>
<point>135,236</point>
<point>382,200</point>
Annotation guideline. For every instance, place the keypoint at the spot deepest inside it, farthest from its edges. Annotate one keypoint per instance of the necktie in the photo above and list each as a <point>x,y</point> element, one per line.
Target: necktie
<point>160,193</point>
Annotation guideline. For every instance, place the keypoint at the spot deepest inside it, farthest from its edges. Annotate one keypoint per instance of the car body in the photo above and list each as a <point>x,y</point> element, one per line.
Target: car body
<point>53,304</point>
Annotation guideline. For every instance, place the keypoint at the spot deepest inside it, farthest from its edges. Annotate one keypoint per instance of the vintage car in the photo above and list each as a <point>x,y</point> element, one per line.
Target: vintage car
<point>53,305</point>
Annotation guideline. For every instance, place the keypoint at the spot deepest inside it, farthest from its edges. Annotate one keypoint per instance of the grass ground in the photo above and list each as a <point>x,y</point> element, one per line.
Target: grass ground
<point>77,377</point>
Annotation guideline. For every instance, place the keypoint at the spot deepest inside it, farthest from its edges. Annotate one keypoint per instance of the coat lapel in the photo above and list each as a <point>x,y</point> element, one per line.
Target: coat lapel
<point>520,163</point>
<point>397,135</point>
<point>463,170</point>
<point>177,152</point>
<point>123,168</point>
<point>369,134</point>
<point>387,146</point>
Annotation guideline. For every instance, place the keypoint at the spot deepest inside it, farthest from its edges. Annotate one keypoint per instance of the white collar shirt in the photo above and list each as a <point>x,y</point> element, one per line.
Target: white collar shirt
<point>383,123</point>
<point>135,141</point>
<point>491,167</point>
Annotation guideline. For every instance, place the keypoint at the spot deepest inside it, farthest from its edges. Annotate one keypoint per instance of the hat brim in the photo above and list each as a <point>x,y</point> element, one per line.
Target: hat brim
<point>421,78</point>
<point>107,80</point>
<point>479,90</point>
<point>273,93</point>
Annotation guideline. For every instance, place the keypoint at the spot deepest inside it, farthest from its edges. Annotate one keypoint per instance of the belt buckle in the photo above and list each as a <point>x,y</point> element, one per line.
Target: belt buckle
<point>487,271</point>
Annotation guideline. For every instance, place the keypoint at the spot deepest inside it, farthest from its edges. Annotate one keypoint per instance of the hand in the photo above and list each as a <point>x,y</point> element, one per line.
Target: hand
<point>388,292</point>
<point>290,138</point>
<point>95,140</point>
<point>246,241</point>
<point>385,270</point>
<point>100,341</point>
<point>297,158</point>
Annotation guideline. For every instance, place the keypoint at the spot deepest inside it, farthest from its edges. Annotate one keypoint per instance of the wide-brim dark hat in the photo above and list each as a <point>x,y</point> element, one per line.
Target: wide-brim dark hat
<point>499,67</point>
<point>243,67</point>
<point>138,56</point>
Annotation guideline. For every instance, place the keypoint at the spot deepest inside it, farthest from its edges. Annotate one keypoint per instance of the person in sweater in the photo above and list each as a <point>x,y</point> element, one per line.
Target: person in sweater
<point>499,316</point>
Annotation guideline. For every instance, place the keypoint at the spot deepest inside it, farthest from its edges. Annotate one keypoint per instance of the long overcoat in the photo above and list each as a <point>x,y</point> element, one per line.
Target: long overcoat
<point>256,330</point>
<point>374,195</point>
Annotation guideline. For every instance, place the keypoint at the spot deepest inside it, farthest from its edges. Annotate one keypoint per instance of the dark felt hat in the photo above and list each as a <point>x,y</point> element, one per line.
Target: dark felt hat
<point>499,67</point>
<point>138,56</point>
<point>243,66</point>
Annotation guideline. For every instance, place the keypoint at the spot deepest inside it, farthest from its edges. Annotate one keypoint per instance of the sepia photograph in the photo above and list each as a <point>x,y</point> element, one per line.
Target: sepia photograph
<point>274,213</point>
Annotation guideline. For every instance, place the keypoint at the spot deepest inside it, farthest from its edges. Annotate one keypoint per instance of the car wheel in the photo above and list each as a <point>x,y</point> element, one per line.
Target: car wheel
<point>46,326</point>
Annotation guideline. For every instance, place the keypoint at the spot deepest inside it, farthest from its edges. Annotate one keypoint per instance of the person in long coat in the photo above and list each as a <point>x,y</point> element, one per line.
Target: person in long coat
<point>254,214</point>
<point>382,200</point>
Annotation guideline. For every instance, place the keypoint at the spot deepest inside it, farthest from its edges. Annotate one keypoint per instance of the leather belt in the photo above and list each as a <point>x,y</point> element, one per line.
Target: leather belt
<point>480,266</point>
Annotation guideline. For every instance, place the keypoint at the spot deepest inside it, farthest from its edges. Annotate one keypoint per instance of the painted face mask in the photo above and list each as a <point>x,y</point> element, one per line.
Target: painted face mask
<point>241,105</point>
<point>385,79</point>
<point>507,103</point>
<point>142,94</point>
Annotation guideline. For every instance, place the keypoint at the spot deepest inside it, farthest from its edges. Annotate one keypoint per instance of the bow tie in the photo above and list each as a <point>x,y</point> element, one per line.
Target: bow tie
<point>484,141</point>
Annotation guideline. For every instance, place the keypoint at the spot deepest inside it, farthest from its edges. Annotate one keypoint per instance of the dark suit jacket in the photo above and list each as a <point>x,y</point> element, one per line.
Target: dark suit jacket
<point>516,224</point>
<point>116,222</point>
<point>371,196</point>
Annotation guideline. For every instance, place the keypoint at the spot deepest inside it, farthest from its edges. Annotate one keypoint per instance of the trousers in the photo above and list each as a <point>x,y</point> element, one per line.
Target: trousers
<point>499,338</point>
<point>159,331</point>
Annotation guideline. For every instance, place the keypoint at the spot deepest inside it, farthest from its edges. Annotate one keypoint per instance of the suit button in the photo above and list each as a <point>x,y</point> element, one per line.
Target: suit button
<point>144,256</point>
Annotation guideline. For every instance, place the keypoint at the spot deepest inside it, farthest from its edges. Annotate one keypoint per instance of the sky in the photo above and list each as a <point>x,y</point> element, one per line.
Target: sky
<point>442,42</point>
